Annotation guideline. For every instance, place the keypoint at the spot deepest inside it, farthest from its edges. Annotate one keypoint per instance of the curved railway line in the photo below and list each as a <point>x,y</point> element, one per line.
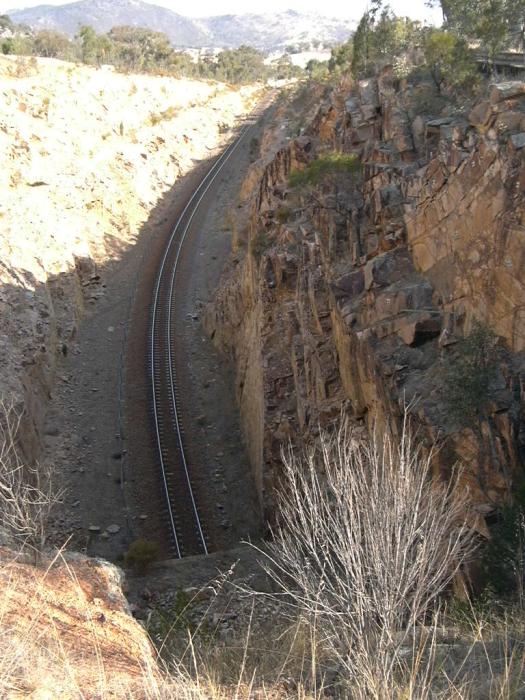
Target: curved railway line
<point>185,525</point>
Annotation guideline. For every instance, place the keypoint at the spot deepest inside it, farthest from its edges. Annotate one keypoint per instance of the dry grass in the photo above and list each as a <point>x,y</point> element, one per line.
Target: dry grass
<point>482,660</point>
<point>368,545</point>
<point>27,494</point>
<point>369,542</point>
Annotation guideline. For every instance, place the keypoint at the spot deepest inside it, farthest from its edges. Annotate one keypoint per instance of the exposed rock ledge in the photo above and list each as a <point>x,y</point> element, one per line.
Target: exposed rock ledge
<point>321,311</point>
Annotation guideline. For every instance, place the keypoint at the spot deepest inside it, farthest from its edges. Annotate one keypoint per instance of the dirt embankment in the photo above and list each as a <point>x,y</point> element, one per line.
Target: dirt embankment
<point>87,154</point>
<point>92,162</point>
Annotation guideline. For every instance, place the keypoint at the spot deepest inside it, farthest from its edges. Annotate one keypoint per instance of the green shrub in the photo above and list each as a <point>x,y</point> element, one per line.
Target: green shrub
<point>169,113</point>
<point>259,244</point>
<point>466,614</point>
<point>283,214</point>
<point>469,374</point>
<point>503,556</point>
<point>324,166</point>
<point>450,62</point>
<point>141,554</point>
<point>157,117</point>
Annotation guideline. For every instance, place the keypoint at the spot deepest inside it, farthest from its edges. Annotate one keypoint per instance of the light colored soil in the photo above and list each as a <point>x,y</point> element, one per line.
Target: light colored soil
<point>87,155</point>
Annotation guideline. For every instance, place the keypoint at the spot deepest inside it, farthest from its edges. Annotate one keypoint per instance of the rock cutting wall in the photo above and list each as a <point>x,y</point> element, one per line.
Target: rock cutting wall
<point>361,311</point>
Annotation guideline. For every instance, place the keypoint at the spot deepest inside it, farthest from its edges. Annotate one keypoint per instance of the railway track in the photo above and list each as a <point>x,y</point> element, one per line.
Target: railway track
<point>186,528</point>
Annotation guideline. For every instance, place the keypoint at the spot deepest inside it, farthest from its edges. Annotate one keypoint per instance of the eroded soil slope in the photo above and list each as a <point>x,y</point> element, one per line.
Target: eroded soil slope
<point>86,156</point>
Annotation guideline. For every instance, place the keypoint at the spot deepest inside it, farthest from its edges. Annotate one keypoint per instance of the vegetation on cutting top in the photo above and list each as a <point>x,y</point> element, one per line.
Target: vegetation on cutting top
<point>137,49</point>
<point>494,25</point>
<point>447,55</point>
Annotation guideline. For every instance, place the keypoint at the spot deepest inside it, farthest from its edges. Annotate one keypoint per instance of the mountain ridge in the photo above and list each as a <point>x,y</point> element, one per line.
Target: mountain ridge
<point>265,31</point>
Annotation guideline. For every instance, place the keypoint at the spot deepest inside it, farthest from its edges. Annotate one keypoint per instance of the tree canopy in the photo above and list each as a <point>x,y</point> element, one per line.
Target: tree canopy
<point>494,24</point>
<point>242,65</point>
<point>139,49</point>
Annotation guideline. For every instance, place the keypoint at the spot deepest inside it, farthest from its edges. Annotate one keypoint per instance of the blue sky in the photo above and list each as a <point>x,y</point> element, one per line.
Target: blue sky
<point>337,8</point>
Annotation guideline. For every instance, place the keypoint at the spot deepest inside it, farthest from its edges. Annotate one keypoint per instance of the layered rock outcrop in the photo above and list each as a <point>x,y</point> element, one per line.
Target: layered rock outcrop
<point>354,294</point>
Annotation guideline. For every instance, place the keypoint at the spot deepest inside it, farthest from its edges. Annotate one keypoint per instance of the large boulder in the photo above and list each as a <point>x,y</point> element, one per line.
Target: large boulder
<point>506,91</point>
<point>69,629</point>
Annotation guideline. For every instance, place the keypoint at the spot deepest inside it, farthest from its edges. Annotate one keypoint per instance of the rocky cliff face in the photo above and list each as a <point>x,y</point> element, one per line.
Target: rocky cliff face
<point>87,156</point>
<point>354,295</point>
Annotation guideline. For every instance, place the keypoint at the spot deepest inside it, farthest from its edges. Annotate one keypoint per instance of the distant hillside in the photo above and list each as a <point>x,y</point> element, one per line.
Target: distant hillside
<point>268,32</point>
<point>102,15</point>
<point>274,31</point>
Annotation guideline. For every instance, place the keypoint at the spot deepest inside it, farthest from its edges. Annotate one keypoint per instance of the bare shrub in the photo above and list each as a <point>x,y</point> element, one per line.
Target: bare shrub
<point>27,494</point>
<point>369,541</point>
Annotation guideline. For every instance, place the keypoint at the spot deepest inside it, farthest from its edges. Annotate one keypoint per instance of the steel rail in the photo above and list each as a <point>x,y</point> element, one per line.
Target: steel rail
<point>199,193</point>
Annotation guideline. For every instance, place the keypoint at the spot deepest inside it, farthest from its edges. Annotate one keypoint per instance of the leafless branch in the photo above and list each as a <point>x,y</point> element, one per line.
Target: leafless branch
<point>368,542</point>
<point>27,493</point>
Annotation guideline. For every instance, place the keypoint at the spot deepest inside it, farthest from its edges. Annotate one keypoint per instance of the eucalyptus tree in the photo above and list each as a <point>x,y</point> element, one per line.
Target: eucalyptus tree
<point>494,25</point>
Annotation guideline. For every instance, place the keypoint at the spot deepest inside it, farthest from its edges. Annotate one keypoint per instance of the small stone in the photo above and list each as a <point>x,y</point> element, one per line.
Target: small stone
<point>75,504</point>
<point>143,516</point>
<point>446,338</point>
<point>113,529</point>
<point>94,528</point>
<point>518,140</point>
<point>111,329</point>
